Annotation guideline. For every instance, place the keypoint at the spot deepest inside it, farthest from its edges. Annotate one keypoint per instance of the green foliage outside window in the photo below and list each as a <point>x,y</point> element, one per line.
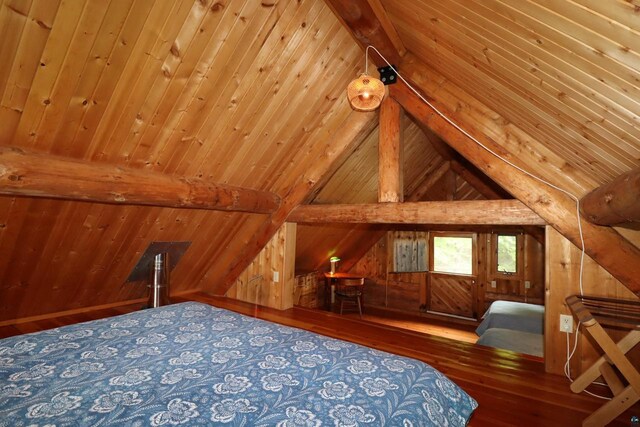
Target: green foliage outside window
<point>507,254</point>
<point>453,255</point>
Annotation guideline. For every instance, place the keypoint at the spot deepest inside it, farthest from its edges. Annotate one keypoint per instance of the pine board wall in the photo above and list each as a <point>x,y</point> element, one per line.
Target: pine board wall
<point>562,280</point>
<point>407,292</point>
<point>257,282</point>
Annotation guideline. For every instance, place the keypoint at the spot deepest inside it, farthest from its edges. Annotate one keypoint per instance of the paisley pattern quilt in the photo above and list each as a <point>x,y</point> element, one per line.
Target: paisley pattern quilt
<point>196,365</point>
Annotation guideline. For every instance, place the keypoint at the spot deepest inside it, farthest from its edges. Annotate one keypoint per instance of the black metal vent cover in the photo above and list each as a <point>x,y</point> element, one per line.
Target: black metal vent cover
<point>142,270</point>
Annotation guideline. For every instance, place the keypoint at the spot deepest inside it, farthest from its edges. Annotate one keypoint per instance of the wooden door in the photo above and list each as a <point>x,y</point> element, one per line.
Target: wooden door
<point>452,294</point>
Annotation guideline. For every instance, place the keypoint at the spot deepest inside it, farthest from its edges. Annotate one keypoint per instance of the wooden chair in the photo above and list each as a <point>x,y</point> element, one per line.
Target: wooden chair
<point>350,291</point>
<point>593,312</point>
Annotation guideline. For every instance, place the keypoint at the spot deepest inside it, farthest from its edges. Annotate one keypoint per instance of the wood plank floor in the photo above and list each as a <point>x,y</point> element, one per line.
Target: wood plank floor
<point>455,331</point>
<point>510,389</point>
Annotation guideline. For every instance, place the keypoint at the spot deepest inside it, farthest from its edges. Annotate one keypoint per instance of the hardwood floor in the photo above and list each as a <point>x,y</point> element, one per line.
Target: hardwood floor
<point>510,389</point>
<point>453,331</point>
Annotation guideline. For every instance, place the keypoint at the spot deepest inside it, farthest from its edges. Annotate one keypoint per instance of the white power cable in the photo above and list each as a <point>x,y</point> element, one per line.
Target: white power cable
<point>567,368</point>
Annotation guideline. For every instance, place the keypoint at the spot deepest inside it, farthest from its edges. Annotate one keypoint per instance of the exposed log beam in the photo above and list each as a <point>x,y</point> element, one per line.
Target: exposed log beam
<point>363,22</point>
<point>390,153</point>
<point>387,26</point>
<point>371,238</point>
<point>339,146</point>
<point>42,175</point>
<point>615,203</point>
<point>495,212</point>
<point>556,208</point>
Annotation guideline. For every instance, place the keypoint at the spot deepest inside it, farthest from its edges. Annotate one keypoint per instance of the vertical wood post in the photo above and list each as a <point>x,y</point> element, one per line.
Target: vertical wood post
<point>390,152</point>
<point>289,265</point>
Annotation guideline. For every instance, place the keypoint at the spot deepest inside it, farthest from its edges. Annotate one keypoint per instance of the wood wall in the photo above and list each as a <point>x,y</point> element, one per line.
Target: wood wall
<point>257,283</point>
<point>407,292</point>
<point>240,92</point>
<point>562,280</point>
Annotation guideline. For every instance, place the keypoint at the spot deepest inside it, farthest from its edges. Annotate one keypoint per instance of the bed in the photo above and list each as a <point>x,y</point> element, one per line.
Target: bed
<point>193,364</point>
<point>514,326</point>
<point>516,316</point>
<point>519,341</point>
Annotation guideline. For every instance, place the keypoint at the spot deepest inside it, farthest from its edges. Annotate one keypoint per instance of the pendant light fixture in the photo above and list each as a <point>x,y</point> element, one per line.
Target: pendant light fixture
<point>365,93</point>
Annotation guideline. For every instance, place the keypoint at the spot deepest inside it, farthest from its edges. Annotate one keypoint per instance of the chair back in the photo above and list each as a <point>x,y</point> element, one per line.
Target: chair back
<point>350,288</point>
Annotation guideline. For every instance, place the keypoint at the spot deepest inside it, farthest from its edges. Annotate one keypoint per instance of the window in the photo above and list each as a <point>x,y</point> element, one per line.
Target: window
<point>453,254</point>
<point>507,250</point>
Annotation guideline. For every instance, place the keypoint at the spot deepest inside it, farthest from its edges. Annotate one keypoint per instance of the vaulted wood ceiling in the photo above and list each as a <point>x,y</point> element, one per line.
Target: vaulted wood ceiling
<point>251,94</point>
<point>567,72</point>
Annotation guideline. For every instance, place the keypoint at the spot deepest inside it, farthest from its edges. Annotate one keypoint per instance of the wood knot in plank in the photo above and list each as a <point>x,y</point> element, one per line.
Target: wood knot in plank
<point>175,50</point>
<point>217,6</point>
<point>43,25</point>
<point>543,200</point>
<point>268,3</point>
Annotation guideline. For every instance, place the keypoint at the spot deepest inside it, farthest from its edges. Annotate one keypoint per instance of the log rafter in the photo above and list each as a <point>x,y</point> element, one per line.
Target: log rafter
<point>481,212</point>
<point>617,202</point>
<point>353,130</point>
<point>555,207</point>
<point>42,175</point>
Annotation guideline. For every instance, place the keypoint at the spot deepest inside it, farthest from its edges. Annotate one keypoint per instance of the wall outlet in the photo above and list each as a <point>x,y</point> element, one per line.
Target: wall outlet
<point>566,323</point>
<point>527,284</point>
<point>276,276</point>
<point>493,284</point>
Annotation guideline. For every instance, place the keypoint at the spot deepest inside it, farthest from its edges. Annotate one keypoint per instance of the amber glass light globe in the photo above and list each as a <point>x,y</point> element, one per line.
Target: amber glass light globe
<point>365,93</point>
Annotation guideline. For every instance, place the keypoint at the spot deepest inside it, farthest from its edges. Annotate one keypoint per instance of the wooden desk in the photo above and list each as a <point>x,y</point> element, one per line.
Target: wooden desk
<point>329,280</point>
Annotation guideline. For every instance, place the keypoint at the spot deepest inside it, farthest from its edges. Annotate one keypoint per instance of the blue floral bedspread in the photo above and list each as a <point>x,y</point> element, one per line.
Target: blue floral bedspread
<point>193,364</point>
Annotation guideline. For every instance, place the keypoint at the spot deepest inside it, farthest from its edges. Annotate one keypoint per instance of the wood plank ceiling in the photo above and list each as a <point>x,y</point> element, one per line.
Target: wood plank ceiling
<point>251,94</point>
<point>428,176</point>
<point>237,92</point>
<point>564,71</point>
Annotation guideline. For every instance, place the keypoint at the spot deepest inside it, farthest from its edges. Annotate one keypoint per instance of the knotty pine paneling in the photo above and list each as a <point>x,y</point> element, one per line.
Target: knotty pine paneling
<point>317,243</point>
<point>452,295</point>
<point>565,73</point>
<point>408,291</point>
<point>357,179</point>
<point>531,265</point>
<point>72,255</point>
<point>257,283</point>
<point>563,280</point>
<point>237,92</point>
<point>356,182</point>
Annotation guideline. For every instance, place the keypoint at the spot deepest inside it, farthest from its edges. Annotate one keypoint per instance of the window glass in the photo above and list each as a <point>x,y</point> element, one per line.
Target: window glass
<point>507,254</point>
<point>453,255</point>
